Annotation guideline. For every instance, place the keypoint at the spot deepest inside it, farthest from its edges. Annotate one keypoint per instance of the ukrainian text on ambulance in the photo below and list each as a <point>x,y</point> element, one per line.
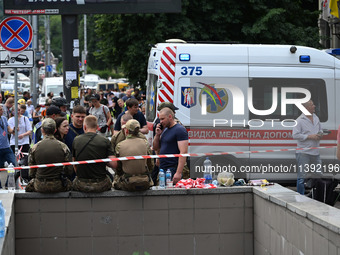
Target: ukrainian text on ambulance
<point>269,168</point>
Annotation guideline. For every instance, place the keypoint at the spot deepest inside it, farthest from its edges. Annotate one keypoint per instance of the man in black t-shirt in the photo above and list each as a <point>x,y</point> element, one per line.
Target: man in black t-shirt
<point>171,138</point>
<point>76,127</point>
<point>132,108</point>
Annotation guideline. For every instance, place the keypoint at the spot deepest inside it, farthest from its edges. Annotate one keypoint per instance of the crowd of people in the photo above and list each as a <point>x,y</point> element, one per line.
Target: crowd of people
<point>49,134</point>
<point>107,124</point>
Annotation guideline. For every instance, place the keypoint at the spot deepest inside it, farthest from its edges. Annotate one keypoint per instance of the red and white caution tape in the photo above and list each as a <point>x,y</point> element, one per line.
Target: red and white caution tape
<point>105,160</point>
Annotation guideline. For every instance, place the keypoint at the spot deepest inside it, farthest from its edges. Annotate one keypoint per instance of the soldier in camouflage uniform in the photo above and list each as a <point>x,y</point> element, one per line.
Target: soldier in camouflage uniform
<point>49,150</point>
<point>135,173</point>
<point>119,137</point>
<point>88,146</point>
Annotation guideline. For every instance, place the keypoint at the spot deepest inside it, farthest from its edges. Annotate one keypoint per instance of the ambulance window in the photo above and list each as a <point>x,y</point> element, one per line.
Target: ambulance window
<point>151,97</point>
<point>263,94</point>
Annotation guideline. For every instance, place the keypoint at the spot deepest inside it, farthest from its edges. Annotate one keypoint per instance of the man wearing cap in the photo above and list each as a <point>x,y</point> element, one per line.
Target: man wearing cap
<point>135,174</point>
<point>89,146</point>
<point>102,113</point>
<point>49,150</point>
<point>121,136</point>
<point>52,112</point>
<point>171,138</point>
<point>23,102</point>
<point>133,109</point>
<point>62,104</point>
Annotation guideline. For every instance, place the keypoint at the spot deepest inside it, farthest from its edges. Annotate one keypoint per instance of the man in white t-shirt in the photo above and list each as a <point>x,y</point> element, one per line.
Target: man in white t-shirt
<point>24,132</point>
<point>102,113</point>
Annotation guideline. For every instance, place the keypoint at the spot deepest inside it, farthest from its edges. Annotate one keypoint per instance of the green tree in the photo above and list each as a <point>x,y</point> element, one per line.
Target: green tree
<point>55,34</point>
<point>124,39</point>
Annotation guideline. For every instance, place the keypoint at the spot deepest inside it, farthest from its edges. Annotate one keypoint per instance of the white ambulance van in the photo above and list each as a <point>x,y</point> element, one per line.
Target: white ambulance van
<point>240,98</point>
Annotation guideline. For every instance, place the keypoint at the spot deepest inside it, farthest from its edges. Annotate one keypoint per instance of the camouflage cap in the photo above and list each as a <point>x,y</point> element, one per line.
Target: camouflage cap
<point>131,125</point>
<point>167,104</point>
<point>48,123</point>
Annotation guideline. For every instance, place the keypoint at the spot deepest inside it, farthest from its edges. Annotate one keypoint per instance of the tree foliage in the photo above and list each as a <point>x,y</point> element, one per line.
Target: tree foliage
<point>124,39</point>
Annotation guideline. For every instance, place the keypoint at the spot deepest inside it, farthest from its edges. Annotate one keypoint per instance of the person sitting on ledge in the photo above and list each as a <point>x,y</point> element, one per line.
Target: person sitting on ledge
<point>88,146</point>
<point>49,150</point>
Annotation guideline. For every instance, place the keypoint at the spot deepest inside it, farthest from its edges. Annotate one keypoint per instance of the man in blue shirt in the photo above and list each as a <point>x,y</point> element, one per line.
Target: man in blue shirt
<point>171,138</point>
<point>128,95</point>
<point>6,154</point>
<point>132,108</point>
<point>76,127</point>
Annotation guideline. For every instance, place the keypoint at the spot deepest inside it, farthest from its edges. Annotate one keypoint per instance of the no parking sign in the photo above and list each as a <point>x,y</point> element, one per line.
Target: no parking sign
<point>15,34</point>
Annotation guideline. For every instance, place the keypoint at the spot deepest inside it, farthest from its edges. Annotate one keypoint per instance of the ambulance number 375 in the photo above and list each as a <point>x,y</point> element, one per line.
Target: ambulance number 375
<point>191,70</point>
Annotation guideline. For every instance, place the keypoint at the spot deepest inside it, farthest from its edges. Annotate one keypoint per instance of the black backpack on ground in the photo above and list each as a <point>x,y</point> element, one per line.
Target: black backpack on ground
<point>324,191</point>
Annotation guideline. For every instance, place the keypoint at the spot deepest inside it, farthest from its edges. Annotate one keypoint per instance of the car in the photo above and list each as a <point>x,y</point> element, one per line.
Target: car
<point>20,58</point>
<point>21,77</point>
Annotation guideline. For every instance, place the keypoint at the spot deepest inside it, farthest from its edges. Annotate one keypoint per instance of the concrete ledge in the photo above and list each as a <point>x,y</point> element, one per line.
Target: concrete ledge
<point>242,220</point>
<point>168,222</point>
<point>320,213</point>
<point>120,193</point>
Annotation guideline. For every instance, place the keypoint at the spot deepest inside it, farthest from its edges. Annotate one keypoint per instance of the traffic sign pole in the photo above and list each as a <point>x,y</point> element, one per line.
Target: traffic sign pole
<point>15,36</point>
<point>16,113</point>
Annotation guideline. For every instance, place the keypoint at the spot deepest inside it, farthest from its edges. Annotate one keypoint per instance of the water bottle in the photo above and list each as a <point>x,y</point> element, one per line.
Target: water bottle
<point>161,179</point>
<point>11,179</point>
<point>207,171</point>
<point>2,220</point>
<point>169,183</point>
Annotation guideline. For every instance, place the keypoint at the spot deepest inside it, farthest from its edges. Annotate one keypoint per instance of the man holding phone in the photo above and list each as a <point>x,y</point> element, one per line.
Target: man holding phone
<point>171,139</point>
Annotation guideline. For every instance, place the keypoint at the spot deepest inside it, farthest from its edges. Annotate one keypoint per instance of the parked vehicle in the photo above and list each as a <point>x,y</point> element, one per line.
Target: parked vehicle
<point>106,85</point>
<point>53,84</point>
<point>222,90</point>
<point>91,81</point>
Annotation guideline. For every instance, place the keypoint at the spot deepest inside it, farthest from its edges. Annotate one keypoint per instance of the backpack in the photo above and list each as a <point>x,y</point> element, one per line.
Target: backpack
<point>136,183</point>
<point>323,191</point>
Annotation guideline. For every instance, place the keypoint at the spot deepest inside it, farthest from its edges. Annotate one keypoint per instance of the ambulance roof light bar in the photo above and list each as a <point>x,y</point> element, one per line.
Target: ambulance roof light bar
<point>304,58</point>
<point>333,52</point>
